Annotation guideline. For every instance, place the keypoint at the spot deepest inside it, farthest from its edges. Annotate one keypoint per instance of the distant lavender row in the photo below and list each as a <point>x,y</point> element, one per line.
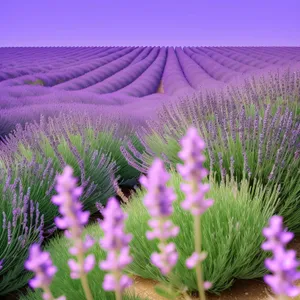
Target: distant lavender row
<point>133,80</point>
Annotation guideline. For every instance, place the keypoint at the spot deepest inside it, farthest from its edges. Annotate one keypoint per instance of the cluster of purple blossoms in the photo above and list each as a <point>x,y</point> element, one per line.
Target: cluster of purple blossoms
<point>193,172</point>
<point>41,264</point>
<point>283,264</point>
<point>159,201</point>
<point>73,220</point>
<point>116,243</point>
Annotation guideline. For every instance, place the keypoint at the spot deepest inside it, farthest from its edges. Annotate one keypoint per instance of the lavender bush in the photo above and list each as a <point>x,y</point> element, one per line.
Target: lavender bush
<point>280,89</point>
<point>257,142</point>
<point>233,223</point>
<point>74,133</point>
<point>95,178</point>
<point>21,225</point>
<point>228,212</point>
<point>38,179</point>
<point>74,218</point>
<point>63,284</point>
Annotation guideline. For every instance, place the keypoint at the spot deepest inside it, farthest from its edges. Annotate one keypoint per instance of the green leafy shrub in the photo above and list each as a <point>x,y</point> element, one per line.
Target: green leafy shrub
<point>260,143</point>
<point>88,135</point>
<point>231,234</point>
<point>234,224</point>
<point>21,225</point>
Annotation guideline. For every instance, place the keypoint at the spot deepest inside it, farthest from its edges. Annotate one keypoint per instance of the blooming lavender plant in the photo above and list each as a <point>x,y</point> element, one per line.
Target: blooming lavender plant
<point>193,172</point>
<point>116,243</point>
<point>22,224</point>
<point>73,221</point>
<point>261,136</point>
<point>41,264</point>
<point>284,264</point>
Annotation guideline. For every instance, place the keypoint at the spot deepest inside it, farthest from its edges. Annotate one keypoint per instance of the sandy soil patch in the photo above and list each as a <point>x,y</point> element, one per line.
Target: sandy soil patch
<point>242,289</point>
<point>160,89</point>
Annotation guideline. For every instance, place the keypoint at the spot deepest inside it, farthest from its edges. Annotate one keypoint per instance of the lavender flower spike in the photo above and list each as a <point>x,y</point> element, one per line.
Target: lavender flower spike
<point>284,264</point>
<point>41,264</point>
<point>73,221</point>
<point>194,172</point>
<point>116,243</point>
<point>159,201</point>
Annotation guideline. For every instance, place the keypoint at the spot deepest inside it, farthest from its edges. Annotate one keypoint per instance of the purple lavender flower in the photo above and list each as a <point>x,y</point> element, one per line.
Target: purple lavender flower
<point>1,264</point>
<point>166,259</point>
<point>276,235</point>
<point>194,259</point>
<point>40,263</point>
<point>116,243</point>
<point>159,201</point>
<point>194,172</point>
<point>284,263</point>
<point>73,221</point>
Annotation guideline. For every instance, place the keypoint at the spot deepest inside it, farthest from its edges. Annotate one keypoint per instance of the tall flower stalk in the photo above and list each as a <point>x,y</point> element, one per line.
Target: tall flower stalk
<point>193,172</point>
<point>73,222</point>
<point>284,264</point>
<point>159,201</point>
<point>116,243</point>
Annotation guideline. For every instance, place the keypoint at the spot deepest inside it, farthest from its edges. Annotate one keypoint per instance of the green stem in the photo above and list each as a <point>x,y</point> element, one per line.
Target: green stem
<point>83,277</point>
<point>47,290</point>
<point>118,294</point>
<point>198,242</point>
<point>118,289</point>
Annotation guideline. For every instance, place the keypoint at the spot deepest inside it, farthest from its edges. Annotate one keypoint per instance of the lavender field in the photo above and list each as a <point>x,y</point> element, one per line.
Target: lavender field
<point>133,80</point>
<point>131,124</point>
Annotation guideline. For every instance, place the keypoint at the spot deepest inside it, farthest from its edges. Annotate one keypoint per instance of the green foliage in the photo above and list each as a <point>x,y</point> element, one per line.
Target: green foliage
<point>38,158</point>
<point>262,141</point>
<point>85,134</point>
<point>95,177</point>
<point>16,234</point>
<point>231,236</point>
<point>231,231</point>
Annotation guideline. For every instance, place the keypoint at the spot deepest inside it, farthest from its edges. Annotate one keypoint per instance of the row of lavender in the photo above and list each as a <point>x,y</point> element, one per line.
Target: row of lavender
<point>87,73</point>
<point>124,79</point>
<point>252,135</point>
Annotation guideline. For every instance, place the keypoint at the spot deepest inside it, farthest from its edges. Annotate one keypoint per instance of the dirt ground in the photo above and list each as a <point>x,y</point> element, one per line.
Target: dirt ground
<point>241,290</point>
<point>254,289</point>
<point>160,89</point>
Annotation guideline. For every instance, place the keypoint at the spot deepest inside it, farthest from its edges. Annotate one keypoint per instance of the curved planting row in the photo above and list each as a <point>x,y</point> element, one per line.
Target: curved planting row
<point>136,77</point>
<point>124,76</point>
<point>147,83</point>
<point>68,72</point>
<point>101,73</point>
<point>214,69</point>
<point>174,79</point>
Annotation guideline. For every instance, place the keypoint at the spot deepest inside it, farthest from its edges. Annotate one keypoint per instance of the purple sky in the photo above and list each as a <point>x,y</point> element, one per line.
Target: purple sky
<point>149,22</point>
